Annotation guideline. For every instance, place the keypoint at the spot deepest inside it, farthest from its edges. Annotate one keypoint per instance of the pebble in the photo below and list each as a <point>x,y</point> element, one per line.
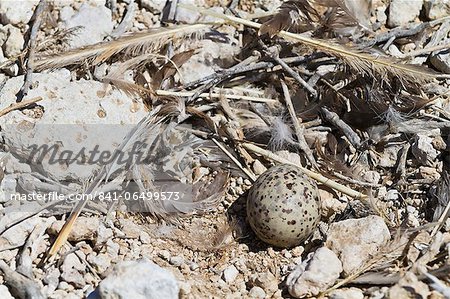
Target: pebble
<point>441,61</point>
<point>423,150</point>
<point>164,254</point>
<point>402,12</point>
<point>230,274</point>
<point>267,281</point>
<point>154,6</point>
<point>176,261</point>
<point>436,9</point>
<point>4,292</point>
<point>72,269</point>
<point>101,262</point>
<point>14,42</point>
<point>12,13</point>
<point>318,272</point>
<point>85,228</point>
<point>139,280</point>
<point>257,293</point>
<point>356,240</point>
<point>96,22</point>
<point>129,228</point>
<point>347,293</point>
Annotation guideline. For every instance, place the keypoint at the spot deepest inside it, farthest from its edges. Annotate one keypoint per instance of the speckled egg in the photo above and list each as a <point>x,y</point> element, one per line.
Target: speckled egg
<point>283,206</point>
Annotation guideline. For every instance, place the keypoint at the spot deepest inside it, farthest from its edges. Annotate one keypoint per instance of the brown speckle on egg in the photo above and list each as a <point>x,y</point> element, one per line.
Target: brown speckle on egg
<point>291,206</point>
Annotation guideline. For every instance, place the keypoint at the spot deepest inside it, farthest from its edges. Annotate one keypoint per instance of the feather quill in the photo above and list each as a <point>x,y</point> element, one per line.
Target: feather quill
<point>133,44</point>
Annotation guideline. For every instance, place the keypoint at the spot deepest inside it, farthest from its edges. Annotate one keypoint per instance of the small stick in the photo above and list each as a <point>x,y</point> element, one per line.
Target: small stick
<point>401,167</point>
<point>299,129</point>
<point>214,95</point>
<point>31,50</point>
<point>19,105</point>
<point>334,119</point>
<point>314,175</point>
<point>274,54</point>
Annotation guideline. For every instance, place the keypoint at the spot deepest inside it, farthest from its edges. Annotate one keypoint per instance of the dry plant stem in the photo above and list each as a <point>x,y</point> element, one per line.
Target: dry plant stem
<point>355,182</point>
<point>19,105</point>
<point>299,130</point>
<point>314,175</point>
<point>214,95</point>
<point>428,50</point>
<point>275,55</point>
<point>401,168</point>
<point>340,124</point>
<point>21,286</point>
<point>442,220</point>
<point>31,50</point>
<point>244,169</point>
<point>364,63</point>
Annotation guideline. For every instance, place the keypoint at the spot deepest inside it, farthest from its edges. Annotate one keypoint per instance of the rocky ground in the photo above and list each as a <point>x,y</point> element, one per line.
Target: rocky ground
<point>392,244</point>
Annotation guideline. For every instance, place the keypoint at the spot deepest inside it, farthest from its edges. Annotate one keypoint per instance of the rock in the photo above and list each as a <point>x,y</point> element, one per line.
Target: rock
<point>318,272</point>
<point>409,286</point>
<point>401,12</point>
<point>176,261</point>
<point>18,234</point>
<point>347,293</point>
<point>51,279</point>
<point>14,42</point>
<point>96,23</point>
<point>129,228</point>
<point>423,150</point>
<point>355,241</point>
<point>188,16</point>
<point>267,281</point>
<point>7,187</point>
<point>257,293</point>
<point>230,274</point>
<point>436,9</point>
<point>72,269</point>
<point>441,61</point>
<point>85,228</point>
<point>101,262</point>
<point>4,292</point>
<point>389,156</point>
<point>60,129</point>
<point>140,279</point>
<point>154,6</point>
<point>12,13</point>
<point>104,234</point>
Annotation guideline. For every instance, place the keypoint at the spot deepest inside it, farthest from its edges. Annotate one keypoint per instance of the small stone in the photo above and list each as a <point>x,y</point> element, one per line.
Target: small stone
<point>401,12</point>
<point>356,240</point>
<point>267,281</point>
<point>4,292</point>
<point>193,266</point>
<point>230,274</point>
<point>100,262</point>
<point>85,228</point>
<point>104,234</point>
<point>441,61</point>
<point>14,43</point>
<point>95,21</point>
<point>188,16</point>
<point>129,228</point>
<point>176,261</point>
<point>347,293</point>
<point>436,9</point>
<point>154,6</point>
<point>11,13</point>
<point>63,285</point>
<point>140,279</point>
<point>144,237</point>
<point>257,293</point>
<point>423,150</point>
<point>164,254</point>
<point>428,173</point>
<point>318,272</point>
<point>72,269</point>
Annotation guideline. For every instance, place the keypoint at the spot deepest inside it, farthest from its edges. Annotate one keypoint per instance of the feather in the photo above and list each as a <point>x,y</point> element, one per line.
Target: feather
<point>133,44</point>
<point>367,64</point>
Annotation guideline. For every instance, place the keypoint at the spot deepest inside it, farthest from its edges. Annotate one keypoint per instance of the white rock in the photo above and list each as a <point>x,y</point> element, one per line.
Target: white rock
<point>267,281</point>
<point>230,274</point>
<point>4,292</point>
<point>96,22</point>
<point>85,228</point>
<point>318,272</point>
<point>356,240</point>
<point>101,120</point>
<point>101,262</point>
<point>72,269</point>
<point>257,292</point>
<point>436,9</point>
<point>401,12</point>
<point>7,187</point>
<point>423,150</point>
<point>18,234</point>
<point>14,41</point>
<point>188,16</point>
<point>13,13</point>
<point>347,293</point>
<point>139,280</point>
<point>176,261</point>
<point>155,6</point>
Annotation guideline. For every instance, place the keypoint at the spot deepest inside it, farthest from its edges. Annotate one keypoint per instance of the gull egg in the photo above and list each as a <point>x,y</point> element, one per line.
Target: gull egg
<point>283,206</point>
